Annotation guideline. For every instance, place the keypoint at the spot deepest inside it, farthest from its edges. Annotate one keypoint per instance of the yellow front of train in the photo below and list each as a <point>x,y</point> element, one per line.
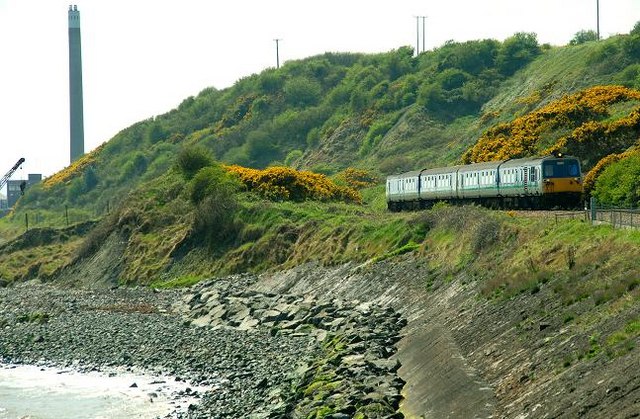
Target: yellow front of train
<point>562,181</point>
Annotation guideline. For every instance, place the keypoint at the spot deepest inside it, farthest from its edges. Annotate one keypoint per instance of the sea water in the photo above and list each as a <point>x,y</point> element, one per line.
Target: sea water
<point>43,393</point>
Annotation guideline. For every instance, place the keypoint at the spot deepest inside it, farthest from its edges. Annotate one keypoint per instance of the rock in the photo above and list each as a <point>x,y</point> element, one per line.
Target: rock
<point>248,324</point>
<point>290,324</point>
<point>273,316</point>
<point>240,315</point>
<point>134,385</point>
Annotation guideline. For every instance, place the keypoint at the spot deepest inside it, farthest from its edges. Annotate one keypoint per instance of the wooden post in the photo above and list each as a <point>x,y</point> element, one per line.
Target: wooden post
<point>26,220</point>
<point>592,204</point>
<point>66,214</point>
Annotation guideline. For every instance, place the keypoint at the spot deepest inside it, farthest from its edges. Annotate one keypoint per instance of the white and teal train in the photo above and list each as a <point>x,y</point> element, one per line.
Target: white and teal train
<point>535,183</point>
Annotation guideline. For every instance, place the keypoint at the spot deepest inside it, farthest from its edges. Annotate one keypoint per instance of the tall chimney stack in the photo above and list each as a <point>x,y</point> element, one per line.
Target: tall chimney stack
<point>75,85</point>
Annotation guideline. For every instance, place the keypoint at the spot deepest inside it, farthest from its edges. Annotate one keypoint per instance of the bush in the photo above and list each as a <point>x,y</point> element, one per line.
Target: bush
<point>358,178</point>
<point>284,183</point>
<point>213,191</point>
<point>583,36</point>
<point>191,159</point>
<point>302,91</point>
<point>619,183</point>
<point>516,52</point>
<point>293,157</point>
<point>213,181</point>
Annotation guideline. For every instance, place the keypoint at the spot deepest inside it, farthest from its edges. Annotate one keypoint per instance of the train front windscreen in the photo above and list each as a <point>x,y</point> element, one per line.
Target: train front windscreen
<point>561,168</point>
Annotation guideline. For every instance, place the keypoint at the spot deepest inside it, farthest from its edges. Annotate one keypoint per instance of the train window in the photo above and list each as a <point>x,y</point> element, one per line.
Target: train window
<point>572,168</point>
<point>561,168</point>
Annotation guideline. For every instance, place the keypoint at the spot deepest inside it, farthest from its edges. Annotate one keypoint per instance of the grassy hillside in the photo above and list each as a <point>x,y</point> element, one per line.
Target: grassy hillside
<point>385,113</point>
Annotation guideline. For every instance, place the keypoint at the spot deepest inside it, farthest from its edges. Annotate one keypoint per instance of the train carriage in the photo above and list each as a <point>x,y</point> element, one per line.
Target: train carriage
<point>438,184</point>
<point>536,182</point>
<point>477,181</point>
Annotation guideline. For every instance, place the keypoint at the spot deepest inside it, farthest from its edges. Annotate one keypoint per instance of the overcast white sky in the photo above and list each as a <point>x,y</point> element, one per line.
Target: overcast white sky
<point>143,57</point>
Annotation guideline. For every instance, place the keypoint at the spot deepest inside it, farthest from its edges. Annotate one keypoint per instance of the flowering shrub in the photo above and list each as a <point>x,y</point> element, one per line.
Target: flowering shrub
<point>74,169</point>
<point>357,178</point>
<point>619,182</point>
<point>590,138</point>
<point>591,177</point>
<point>284,183</point>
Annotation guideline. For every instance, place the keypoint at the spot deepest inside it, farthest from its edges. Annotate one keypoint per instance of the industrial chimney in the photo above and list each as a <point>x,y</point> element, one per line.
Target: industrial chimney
<point>75,85</point>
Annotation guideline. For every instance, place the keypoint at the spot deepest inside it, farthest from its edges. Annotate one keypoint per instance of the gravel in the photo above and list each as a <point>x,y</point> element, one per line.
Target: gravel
<point>137,329</point>
<point>263,355</point>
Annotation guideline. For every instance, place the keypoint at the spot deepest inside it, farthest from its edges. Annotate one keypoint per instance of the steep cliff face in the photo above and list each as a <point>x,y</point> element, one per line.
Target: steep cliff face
<point>464,355</point>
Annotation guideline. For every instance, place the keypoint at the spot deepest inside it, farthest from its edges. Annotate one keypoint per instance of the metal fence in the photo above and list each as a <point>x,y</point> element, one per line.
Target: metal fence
<point>617,217</point>
<point>574,215</point>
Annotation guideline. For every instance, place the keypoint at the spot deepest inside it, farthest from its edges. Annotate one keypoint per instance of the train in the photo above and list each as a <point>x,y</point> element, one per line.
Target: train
<point>548,182</point>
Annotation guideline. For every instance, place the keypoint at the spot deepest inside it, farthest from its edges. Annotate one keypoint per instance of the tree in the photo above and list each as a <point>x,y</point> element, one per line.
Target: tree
<point>399,62</point>
<point>155,132</point>
<point>302,91</point>
<point>90,178</point>
<point>471,56</point>
<point>261,148</point>
<point>583,36</point>
<point>516,52</point>
<point>636,29</point>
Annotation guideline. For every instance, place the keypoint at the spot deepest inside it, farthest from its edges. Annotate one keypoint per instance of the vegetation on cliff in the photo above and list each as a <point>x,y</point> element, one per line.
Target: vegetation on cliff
<point>307,142</point>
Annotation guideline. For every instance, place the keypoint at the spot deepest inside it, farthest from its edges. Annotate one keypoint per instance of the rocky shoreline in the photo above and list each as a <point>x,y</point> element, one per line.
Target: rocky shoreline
<point>264,355</point>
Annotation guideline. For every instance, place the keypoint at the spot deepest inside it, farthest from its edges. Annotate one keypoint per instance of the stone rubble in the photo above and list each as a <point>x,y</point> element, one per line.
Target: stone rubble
<point>355,371</point>
<point>264,355</point>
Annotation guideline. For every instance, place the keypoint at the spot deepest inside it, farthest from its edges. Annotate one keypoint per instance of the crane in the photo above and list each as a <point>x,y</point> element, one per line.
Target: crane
<point>7,175</point>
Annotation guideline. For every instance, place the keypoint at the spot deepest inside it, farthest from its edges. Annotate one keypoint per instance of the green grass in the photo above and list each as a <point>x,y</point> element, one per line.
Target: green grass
<point>178,282</point>
<point>622,341</point>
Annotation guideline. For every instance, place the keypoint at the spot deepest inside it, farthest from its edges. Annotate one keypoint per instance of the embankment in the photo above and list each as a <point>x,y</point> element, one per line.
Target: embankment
<point>464,355</point>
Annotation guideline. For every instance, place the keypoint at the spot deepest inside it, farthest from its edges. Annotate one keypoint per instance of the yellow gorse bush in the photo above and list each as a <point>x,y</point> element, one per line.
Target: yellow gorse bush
<point>74,169</point>
<point>285,183</point>
<point>357,178</point>
<point>579,112</point>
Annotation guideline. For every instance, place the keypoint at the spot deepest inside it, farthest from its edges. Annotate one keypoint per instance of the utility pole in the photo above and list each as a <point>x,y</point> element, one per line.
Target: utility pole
<point>417,35</point>
<point>424,45</point>
<point>277,52</point>
<point>598,18</point>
